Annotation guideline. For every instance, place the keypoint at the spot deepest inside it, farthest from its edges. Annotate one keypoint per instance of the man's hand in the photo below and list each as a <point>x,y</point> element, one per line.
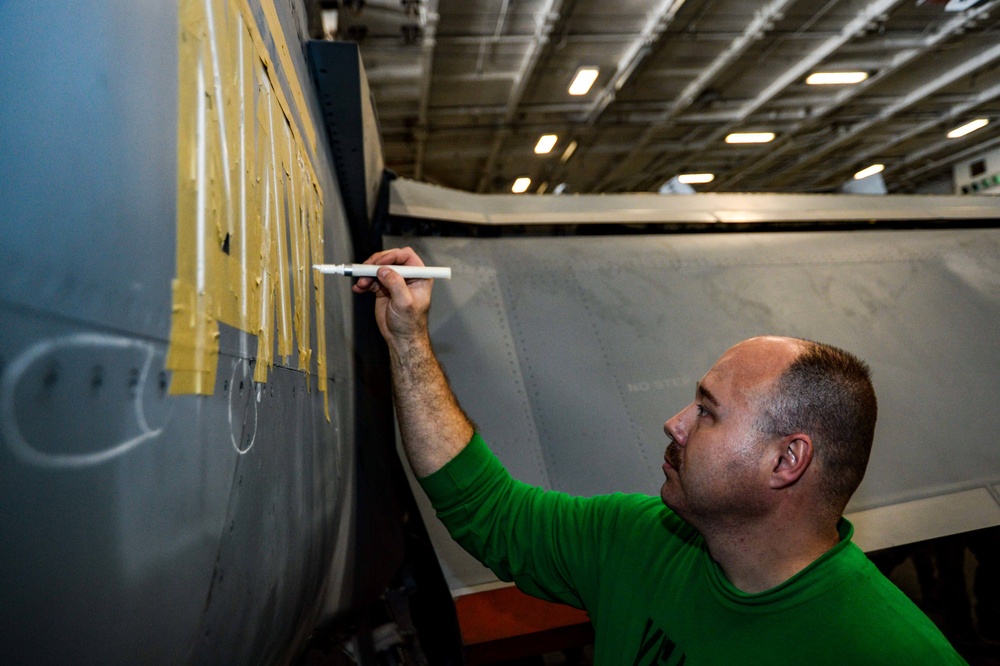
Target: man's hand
<point>432,424</point>
<point>401,305</point>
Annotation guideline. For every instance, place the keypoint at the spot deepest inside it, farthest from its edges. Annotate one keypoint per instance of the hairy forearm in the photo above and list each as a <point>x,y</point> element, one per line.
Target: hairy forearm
<point>433,426</point>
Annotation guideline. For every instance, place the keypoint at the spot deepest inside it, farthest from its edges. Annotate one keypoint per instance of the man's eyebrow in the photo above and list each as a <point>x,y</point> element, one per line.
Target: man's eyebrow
<point>708,394</point>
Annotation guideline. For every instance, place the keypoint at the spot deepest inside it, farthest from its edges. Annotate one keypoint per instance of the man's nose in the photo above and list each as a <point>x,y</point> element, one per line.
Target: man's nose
<point>678,427</point>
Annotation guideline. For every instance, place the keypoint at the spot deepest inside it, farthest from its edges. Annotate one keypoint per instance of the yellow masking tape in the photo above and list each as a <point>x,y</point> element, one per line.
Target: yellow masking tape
<point>299,248</point>
<point>243,175</point>
<point>288,67</point>
<point>316,243</point>
<point>193,351</point>
<point>248,271</point>
<point>265,204</point>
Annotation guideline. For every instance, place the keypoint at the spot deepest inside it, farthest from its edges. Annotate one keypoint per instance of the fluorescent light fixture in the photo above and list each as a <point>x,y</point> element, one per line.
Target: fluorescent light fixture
<point>750,137</point>
<point>968,127</point>
<point>541,188</point>
<point>869,171</point>
<point>835,78</point>
<point>521,185</point>
<point>585,77</point>
<point>696,178</point>
<point>545,144</point>
<point>568,153</point>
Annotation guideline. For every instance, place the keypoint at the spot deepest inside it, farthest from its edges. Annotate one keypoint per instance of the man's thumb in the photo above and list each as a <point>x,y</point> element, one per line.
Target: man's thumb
<point>394,283</point>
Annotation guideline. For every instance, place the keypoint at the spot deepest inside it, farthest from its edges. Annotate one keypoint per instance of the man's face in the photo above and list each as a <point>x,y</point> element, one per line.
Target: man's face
<point>715,464</point>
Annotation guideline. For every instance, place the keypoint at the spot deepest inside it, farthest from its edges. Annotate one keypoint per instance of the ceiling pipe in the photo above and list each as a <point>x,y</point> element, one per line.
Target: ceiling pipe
<point>427,63</point>
<point>543,28</point>
<point>490,43</point>
<point>893,43</point>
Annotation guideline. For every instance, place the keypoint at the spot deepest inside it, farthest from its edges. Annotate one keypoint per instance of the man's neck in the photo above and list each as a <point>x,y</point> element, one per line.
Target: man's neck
<point>758,557</point>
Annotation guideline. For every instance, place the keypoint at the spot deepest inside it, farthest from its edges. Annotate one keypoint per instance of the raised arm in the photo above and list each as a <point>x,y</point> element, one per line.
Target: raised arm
<point>433,426</point>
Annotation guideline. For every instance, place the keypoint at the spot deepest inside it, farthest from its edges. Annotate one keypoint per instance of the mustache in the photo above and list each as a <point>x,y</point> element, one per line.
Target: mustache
<point>673,454</point>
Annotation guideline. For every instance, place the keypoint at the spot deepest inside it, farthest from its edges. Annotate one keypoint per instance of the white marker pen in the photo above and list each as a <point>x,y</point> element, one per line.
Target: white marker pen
<point>371,270</point>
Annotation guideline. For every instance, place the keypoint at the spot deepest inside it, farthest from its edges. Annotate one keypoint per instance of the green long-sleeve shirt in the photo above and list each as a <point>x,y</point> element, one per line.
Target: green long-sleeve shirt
<point>655,595</point>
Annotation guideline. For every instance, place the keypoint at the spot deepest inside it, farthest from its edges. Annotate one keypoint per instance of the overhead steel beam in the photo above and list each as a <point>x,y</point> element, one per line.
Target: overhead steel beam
<point>979,148</point>
<point>988,95</point>
<point>916,95</point>
<point>656,24</point>
<point>954,26</point>
<point>803,66</point>
<point>794,73</point>
<point>657,21</point>
<point>383,41</point>
<point>761,22</point>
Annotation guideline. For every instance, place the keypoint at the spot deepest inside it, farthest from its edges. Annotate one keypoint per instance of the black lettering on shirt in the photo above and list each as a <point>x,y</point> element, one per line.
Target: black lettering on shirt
<point>656,645</point>
<point>646,645</point>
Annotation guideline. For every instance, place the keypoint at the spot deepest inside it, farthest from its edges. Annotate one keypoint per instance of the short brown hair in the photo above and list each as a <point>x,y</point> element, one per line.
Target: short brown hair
<point>827,393</point>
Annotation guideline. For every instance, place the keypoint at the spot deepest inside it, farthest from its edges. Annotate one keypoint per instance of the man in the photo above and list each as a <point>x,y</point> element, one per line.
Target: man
<point>744,558</point>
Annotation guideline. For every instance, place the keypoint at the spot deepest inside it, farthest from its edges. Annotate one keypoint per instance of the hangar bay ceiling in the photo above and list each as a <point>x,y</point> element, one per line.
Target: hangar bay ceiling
<point>465,88</point>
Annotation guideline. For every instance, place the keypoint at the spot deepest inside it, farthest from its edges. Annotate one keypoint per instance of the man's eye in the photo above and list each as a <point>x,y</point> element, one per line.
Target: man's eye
<point>701,410</point>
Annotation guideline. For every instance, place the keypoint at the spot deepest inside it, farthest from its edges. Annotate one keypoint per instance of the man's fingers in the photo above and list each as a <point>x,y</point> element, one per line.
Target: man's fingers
<point>364,284</point>
<point>397,289</point>
<point>404,256</point>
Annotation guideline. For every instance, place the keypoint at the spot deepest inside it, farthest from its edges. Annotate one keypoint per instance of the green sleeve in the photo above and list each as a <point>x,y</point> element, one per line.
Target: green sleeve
<point>549,543</point>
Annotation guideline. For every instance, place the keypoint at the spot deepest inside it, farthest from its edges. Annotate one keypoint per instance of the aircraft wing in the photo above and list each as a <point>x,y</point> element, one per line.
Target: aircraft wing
<point>571,352</point>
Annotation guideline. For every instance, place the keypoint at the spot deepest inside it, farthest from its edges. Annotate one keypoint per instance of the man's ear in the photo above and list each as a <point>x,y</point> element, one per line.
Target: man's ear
<point>795,453</point>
